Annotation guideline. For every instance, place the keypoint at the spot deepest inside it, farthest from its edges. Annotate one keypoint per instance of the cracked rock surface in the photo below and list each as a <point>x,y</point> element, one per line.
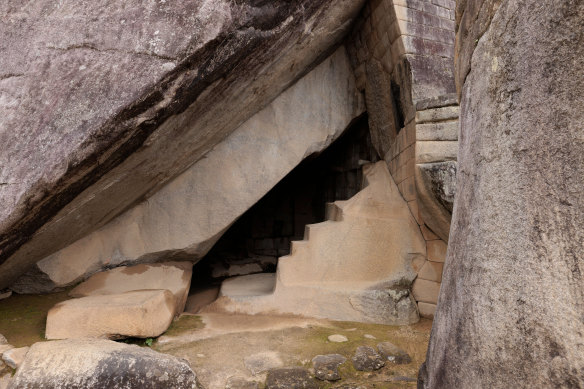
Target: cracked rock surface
<point>105,101</point>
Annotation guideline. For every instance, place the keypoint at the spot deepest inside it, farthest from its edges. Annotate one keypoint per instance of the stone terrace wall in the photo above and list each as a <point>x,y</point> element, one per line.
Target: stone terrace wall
<point>402,53</point>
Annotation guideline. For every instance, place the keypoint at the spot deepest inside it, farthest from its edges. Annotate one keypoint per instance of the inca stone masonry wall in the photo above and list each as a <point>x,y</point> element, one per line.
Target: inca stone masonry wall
<point>402,52</point>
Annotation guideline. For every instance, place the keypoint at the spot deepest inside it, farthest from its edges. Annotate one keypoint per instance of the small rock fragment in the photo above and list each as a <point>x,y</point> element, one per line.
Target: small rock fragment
<point>290,378</point>
<point>326,367</point>
<point>367,359</point>
<point>369,336</point>
<point>14,356</point>
<point>3,339</point>
<point>338,338</point>
<point>394,354</point>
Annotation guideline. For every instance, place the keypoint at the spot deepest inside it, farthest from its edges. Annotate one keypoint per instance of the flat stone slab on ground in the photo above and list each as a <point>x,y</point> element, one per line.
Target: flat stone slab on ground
<point>326,367</point>
<point>290,378</point>
<point>367,359</point>
<point>141,314</point>
<point>337,338</point>
<point>392,353</point>
<point>173,276</point>
<point>98,363</point>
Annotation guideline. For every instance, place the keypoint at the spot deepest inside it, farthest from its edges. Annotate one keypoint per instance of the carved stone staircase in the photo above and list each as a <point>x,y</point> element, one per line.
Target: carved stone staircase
<point>357,265</point>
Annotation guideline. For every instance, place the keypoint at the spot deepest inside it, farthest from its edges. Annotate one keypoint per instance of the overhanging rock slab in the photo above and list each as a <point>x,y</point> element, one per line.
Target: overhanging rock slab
<point>186,217</point>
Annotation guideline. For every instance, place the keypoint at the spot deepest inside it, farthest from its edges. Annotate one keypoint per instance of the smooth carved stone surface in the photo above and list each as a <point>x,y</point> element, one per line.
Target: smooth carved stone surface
<point>357,266</point>
<point>98,112</point>
<point>173,276</point>
<point>367,359</point>
<point>393,354</point>
<point>326,367</point>
<point>436,188</point>
<point>290,378</point>
<point>511,306</point>
<point>94,363</point>
<point>141,314</point>
<point>187,216</point>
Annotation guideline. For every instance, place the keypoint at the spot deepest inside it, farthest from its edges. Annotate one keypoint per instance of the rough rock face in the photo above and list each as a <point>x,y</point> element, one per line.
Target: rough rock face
<point>436,186</point>
<point>95,92</point>
<point>101,364</point>
<point>186,217</point>
<point>511,306</point>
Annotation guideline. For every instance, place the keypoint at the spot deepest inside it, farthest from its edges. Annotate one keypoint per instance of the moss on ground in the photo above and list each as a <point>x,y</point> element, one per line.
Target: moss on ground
<point>23,317</point>
<point>184,323</point>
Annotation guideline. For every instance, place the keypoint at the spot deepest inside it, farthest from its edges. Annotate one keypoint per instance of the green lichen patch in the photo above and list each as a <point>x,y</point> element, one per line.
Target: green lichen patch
<point>23,317</point>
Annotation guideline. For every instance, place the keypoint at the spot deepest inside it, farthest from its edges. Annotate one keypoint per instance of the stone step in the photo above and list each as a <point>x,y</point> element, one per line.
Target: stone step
<point>296,246</point>
<point>311,230</point>
<point>260,284</point>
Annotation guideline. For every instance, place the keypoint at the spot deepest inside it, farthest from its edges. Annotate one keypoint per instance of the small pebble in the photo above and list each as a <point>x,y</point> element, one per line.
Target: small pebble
<point>338,338</point>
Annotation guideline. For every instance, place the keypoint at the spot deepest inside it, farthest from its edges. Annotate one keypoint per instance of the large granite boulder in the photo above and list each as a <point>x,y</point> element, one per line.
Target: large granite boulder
<point>511,306</point>
<point>92,363</point>
<point>105,101</point>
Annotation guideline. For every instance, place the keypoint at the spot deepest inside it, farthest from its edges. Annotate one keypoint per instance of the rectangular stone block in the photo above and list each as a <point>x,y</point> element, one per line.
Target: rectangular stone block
<point>437,131</point>
<point>438,114</point>
<point>141,314</point>
<point>420,46</point>
<point>410,132</point>
<point>413,205</point>
<point>436,250</point>
<point>408,189</point>
<point>427,310</point>
<point>431,271</point>
<point>428,234</point>
<point>432,33</point>
<point>426,291</point>
<point>436,151</point>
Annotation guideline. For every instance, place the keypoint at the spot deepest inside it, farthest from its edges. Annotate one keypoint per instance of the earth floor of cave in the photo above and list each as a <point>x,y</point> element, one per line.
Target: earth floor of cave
<point>218,345</point>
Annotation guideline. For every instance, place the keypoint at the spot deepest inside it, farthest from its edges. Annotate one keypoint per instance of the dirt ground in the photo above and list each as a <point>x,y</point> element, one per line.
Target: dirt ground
<point>221,346</point>
<point>217,346</point>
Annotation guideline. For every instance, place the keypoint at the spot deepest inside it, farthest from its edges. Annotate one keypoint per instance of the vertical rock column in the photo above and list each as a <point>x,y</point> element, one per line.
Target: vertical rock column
<point>511,306</point>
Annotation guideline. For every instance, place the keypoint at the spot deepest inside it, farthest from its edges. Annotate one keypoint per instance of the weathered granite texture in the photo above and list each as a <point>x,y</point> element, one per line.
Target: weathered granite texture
<point>102,102</point>
<point>511,306</point>
<point>188,215</point>
<point>93,363</point>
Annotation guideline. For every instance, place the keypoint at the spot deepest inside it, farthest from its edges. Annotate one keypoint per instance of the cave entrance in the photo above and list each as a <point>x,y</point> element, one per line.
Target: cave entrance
<point>261,235</point>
